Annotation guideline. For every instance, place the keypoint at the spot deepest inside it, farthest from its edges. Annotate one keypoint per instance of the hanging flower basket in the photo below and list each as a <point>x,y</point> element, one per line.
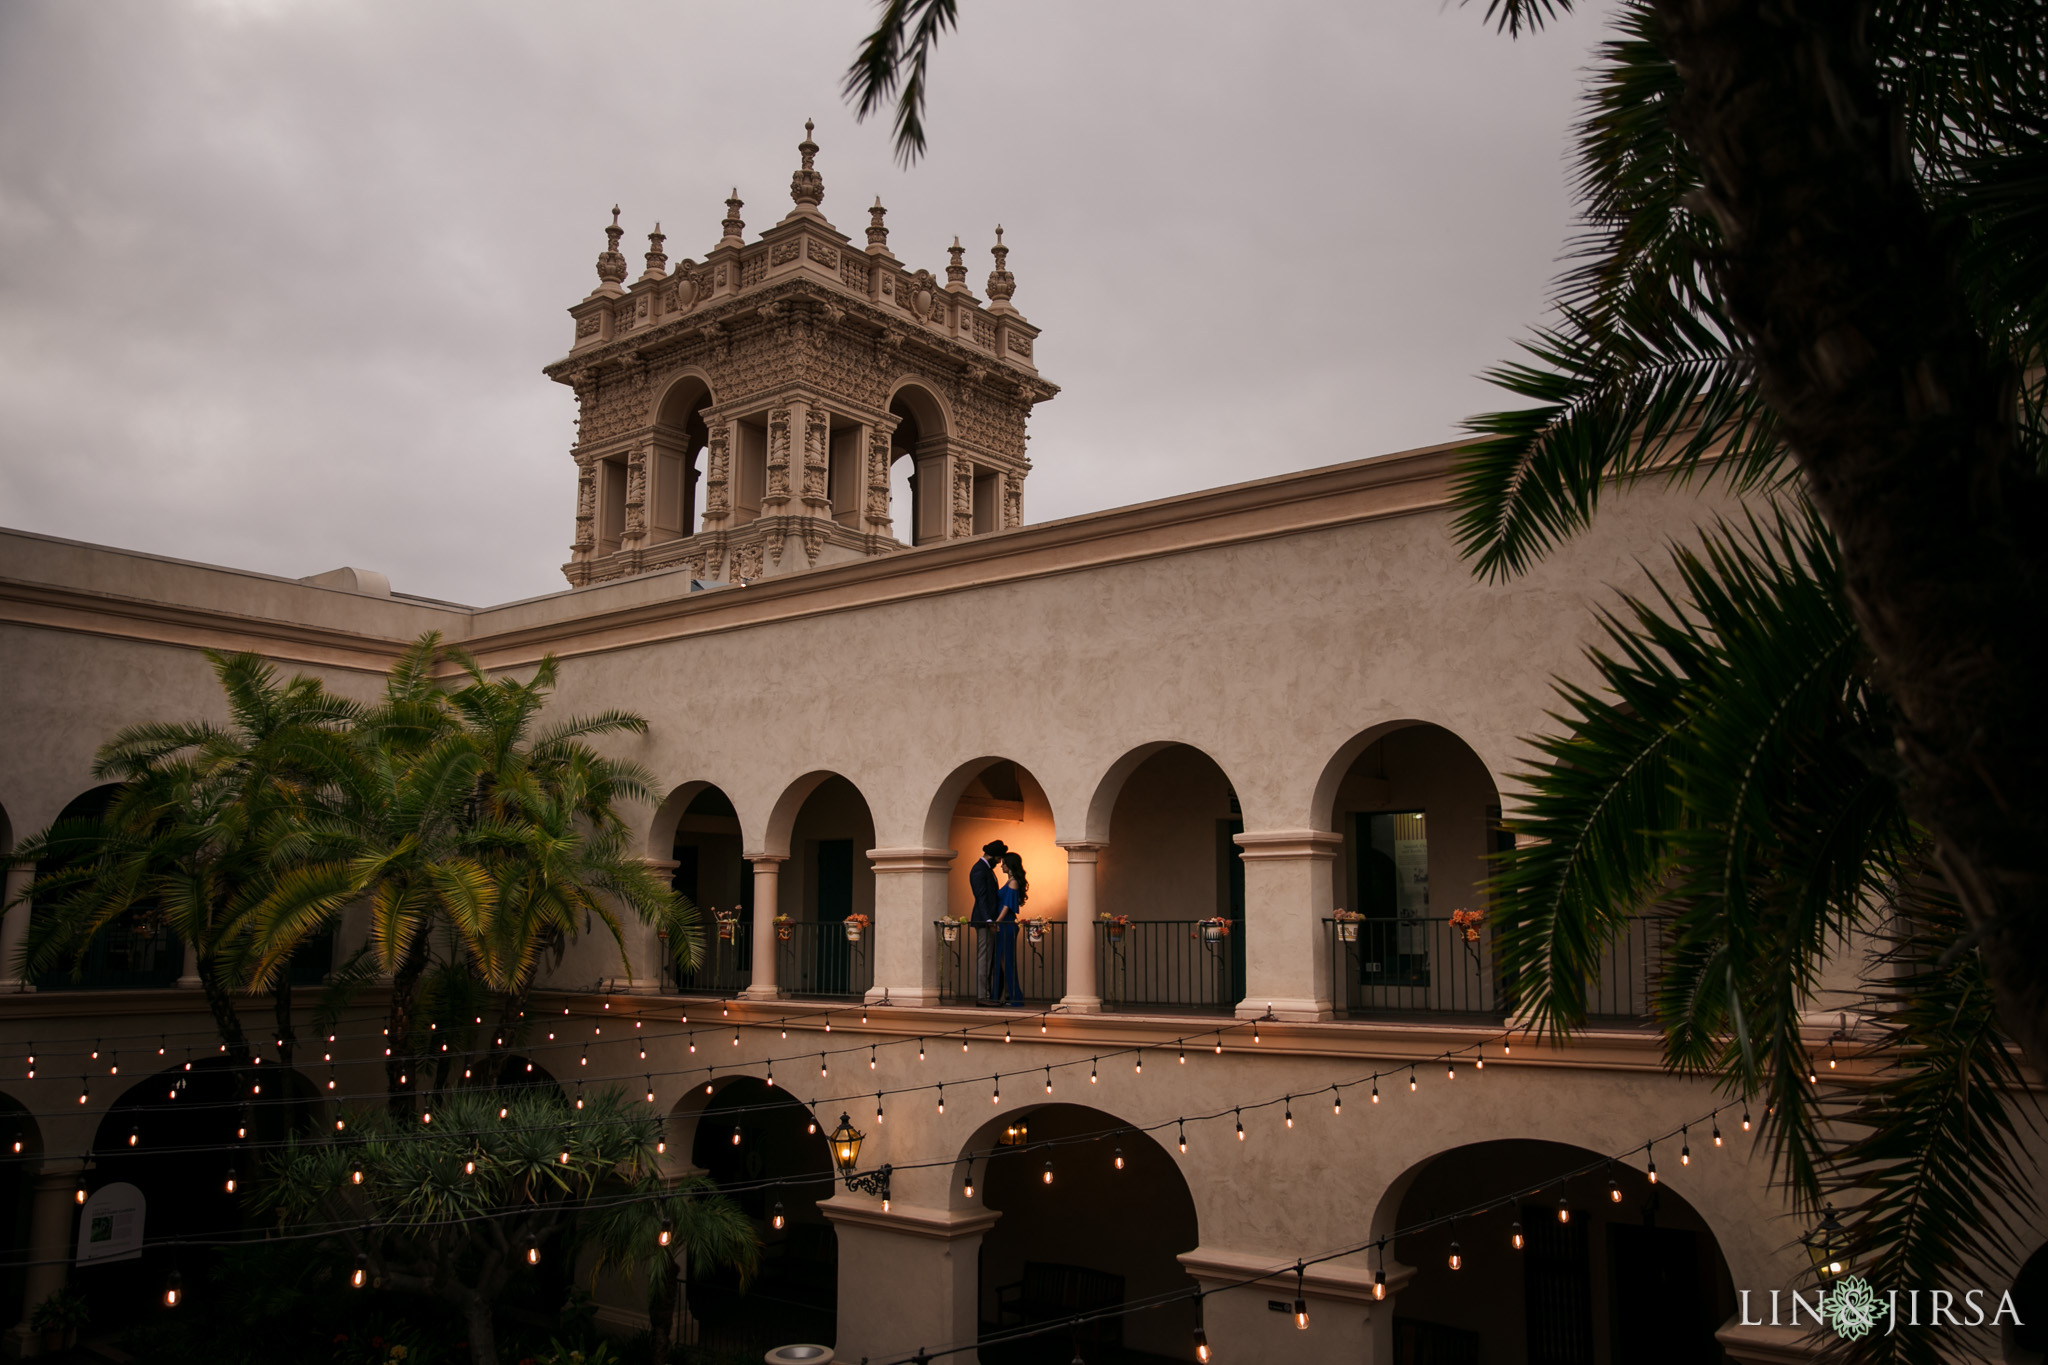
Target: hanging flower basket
<point>1215,930</point>
<point>1347,925</point>
<point>785,928</point>
<point>728,925</point>
<point>855,924</point>
<point>1114,926</point>
<point>949,930</point>
<point>1034,930</point>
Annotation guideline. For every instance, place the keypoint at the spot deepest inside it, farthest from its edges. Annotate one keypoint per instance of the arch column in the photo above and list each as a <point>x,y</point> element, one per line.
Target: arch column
<point>1287,896</point>
<point>53,1209</point>
<point>910,895</point>
<point>767,869</point>
<point>14,928</point>
<point>1083,857</point>
<point>909,1276</point>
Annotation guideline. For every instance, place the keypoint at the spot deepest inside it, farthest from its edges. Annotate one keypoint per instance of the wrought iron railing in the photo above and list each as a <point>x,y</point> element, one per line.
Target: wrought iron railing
<point>816,959</point>
<point>1174,963</point>
<point>1430,966</point>
<point>728,962</point>
<point>1041,962</point>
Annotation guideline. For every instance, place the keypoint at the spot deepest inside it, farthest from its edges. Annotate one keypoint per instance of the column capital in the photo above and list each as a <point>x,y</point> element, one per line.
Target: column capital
<point>912,859</point>
<point>765,857</point>
<point>1320,845</point>
<point>662,864</point>
<point>943,1224</point>
<point>1082,850</point>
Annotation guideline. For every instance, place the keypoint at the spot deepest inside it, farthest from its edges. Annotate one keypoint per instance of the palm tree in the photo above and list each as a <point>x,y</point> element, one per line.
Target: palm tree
<point>197,832</point>
<point>643,1239</point>
<point>457,1207</point>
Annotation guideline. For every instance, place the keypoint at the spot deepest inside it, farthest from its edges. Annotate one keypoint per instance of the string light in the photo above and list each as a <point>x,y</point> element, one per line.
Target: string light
<point>1183,1053</point>
<point>871,1056</point>
<point>1290,1111</point>
<point>1139,1067</point>
<point>362,1272</point>
<point>1219,1043</point>
<point>1515,1238</point>
<point>134,1136</point>
<point>878,1106</point>
<point>1653,1162</point>
<point>230,1180</point>
<point>1048,1080</point>
<point>1048,1171</point>
<point>355,1174</point>
<point>1119,1158</point>
<point>1684,1148</point>
<point>942,1099</point>
<point>1183,1135</point>
<point>735,1135</point>
<point>1336,1102</point>
<point>1300,1303</point>
<point>920,1049</point>
<point>967,1189</point>
<point>1006,1030</point>
<point>1240,1124</point>
<point>667,1232</point>
<point>1201,1336</point>
<point>79,1194</point>
<point>1745,1119</point>
<point>1411,1080</point>
<point>1613,1185</point>
<point>1375,1088</point>
<point>650,1089</point>
<point>1564,1209</point>
<point>824,1069</point>
<point>1717,1130</point>
<point>174,1290</point>
<point>996,1095</point>
<point>1379,1274</point>
<point>776,1222</point>
<point>1457,1259</point>
<point>1091,1069</point>
<point>532,1251</point>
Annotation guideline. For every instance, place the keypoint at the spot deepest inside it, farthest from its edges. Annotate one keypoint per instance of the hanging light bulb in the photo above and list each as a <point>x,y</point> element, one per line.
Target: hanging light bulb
<point>735,1135</point>
<point>650,1089</point>
<point>174,1290</point>
<point>1219,1044</point>
<point>1183,1053</point>
<point>469,1166</point>
<point>771,1075</point>
<point>920,1049</point>
<point>564,1158</point>
<point>1745,1120</point>
<point>1091,1069</point>
<point>1411,1080</point>
<point>824,1070</point>
<point>1515,1238</point>
<point>1450,1071</point>
<point>996,1095</point>
<point>532,1251</point>
<point>1006,1030</point>
<point>878,1106</point>
<point>942,1099</point>
<point>1457,1259</point>
<point>1379,1285</point>
<point>1717,1131</point>
<point>79,1193</point>
<point>1138,1067</point>
<point>1290,1111</point>
<point>1048,1080</point>
<point>355,1173</point>
<point>1336,1102</point>
<point>1201,1345</point>
<point>361,1276</point>
<point>502,1111</point>
<point>667,1232</point>
<point>967,1189</point>
<point>1564,1210</point>
<point>1684,1149</point>
<point>1240,1124</point>
<point>84,1090</point>
<point>661,1146</point>
<point>693,1044</point>
<point>1653,1164</point>
<point>1119,1158</point>
<point>134,1136</point>
<point>777,1220</point>
<point>1478,1060</point>
<point>1375,1089</point>
<point>1183,1135</point>
<point>1300,1303</point>
<point>1047,1176</point>
<point>1613,1185</point>
<point>871,1056</point>
<point>230,1180</point>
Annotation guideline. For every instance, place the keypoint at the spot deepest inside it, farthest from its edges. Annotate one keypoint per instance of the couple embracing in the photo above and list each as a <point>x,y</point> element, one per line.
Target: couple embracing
<point>996,908</point>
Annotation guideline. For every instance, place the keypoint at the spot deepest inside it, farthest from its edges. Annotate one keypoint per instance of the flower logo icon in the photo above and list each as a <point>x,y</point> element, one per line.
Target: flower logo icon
<point>1852,1308</point>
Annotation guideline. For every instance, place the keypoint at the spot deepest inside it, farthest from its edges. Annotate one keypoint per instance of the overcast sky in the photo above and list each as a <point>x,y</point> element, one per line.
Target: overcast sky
<point>277,277</point>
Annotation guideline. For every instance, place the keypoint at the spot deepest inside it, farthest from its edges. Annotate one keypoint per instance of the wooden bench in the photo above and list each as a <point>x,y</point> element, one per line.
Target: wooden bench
<point>1050,1291</point>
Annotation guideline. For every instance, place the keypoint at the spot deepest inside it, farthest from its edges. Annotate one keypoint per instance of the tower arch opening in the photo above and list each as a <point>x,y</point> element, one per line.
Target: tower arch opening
<point>676,460</point>
<point>993,799</point>
<point>917,464</point>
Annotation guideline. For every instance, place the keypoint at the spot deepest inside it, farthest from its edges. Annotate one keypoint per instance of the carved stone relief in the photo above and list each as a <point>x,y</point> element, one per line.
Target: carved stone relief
<point>817,453</point>
<point>718,472</point>
<point>778,453</point>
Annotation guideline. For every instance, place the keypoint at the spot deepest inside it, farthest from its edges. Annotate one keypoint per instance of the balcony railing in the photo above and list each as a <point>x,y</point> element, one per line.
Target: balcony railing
<point>818,961</point>
<point>1167,963</point>
<point>1041,963</point>
<point>728,963</point>
<point>1383,967</point>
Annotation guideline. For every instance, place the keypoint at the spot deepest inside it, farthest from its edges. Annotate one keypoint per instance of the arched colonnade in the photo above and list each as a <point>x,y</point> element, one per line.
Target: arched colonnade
<point>1394,824</point>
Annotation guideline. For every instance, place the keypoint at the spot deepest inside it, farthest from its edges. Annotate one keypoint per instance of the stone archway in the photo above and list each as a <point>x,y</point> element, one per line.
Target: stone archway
<point>1638,1278</point>
<point>991,799</point>
<point>1108,1228</point>
<point>778,1169</point>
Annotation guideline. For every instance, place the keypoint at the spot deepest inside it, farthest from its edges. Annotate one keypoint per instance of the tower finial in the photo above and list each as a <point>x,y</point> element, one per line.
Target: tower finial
<point>878,236</point>
<point>611,266</point>
<point>732,224</point>
<point>657,259</point>
<point>1001,283</point>
<point>956,269</point>
<point>807,186</point>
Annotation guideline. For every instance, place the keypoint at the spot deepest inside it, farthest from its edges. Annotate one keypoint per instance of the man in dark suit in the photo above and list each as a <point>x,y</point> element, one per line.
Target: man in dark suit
<point>981,880</point>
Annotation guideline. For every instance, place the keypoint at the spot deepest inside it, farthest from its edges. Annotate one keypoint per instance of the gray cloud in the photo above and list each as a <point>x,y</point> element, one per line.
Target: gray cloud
<point>277,276</point>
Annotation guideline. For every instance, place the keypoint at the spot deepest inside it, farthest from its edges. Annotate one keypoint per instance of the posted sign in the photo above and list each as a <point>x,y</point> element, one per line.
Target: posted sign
<point>110,1225</point>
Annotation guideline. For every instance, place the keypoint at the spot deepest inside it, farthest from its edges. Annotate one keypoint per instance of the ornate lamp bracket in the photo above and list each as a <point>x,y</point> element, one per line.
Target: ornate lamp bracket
<point>870,1182</point>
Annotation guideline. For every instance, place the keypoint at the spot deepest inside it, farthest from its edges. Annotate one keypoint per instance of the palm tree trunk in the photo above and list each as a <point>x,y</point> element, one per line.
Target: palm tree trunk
<point>661,1314</point>
<point>405,996</point>
<point>1901,419</point>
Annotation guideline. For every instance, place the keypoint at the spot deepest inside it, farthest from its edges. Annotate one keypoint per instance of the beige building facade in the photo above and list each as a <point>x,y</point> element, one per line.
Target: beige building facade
<point>1259,704</point>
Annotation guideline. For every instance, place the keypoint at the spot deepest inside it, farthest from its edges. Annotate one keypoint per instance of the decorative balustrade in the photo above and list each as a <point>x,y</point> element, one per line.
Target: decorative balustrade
<point>1381,967</point>
<point>816,959</point>
<point>727,965</point>
<point>1176,964</point>
<point>1041,961</point>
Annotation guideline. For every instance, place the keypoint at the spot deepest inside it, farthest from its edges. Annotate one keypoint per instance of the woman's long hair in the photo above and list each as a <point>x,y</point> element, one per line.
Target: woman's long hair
<point>1014,867</point>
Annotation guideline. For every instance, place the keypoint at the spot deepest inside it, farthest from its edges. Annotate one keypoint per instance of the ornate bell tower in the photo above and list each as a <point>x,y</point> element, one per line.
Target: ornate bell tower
<point>740,416</point>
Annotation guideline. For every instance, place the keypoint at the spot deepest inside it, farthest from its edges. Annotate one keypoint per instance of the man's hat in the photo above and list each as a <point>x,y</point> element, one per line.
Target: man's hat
<point>995,848</point>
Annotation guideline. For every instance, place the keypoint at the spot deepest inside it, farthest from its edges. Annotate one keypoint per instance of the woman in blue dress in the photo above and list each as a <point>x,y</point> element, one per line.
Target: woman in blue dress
<point>1011,896</point>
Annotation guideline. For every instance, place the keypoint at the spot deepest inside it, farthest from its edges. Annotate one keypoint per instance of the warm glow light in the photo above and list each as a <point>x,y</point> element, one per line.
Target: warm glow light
<point>666,1234</point>
<point>1379,1284</point>
<point>1119,1158</point>
<point>230,1181</point>
<point>1564,1211</point>
<point>1457,1261</point>
<point>532,1253</point>
<point>355,1174</point>
<point>1201,1346</point>
<point>1301,1315</point>
<point>1047,1177</point>
<point>174,1290</point>
<point>1515,1238</point>
<point>80,1194</point>
<point>777,1221</point>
